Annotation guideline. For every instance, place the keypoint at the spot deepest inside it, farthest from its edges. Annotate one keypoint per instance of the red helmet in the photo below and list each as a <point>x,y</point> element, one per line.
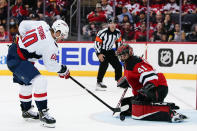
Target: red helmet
<point>124,49</point>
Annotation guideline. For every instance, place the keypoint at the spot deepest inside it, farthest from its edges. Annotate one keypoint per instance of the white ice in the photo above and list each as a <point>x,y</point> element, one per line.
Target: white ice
<point>76,110</point>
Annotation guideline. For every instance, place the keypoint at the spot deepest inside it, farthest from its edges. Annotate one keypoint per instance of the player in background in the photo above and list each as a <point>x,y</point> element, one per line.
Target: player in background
<point>104,43</point>
<point>149,89</point>
<point>36,41</point>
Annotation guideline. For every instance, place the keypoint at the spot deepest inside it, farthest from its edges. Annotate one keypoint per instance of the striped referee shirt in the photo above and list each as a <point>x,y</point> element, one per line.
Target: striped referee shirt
<point>106,39</point>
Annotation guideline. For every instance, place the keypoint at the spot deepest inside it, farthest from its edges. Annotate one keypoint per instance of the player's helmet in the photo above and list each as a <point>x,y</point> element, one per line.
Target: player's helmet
<point>124,49</point>
<point>60,25</point>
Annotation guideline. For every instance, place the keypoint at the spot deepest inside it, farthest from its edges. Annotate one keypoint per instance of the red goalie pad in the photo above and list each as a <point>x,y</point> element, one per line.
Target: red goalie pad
<point>151,111</point>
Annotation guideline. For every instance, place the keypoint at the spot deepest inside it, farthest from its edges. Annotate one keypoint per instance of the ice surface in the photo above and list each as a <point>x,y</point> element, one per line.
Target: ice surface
<point>76,110</point>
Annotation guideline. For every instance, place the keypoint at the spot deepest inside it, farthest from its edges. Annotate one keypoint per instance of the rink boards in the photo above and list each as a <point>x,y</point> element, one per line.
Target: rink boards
<point>175,60</point>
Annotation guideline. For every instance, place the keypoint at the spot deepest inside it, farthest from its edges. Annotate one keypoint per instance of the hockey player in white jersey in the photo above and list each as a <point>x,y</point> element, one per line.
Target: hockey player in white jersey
<point>36,41</point>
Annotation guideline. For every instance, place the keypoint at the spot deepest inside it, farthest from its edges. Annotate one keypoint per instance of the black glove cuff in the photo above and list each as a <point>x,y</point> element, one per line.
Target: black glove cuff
<point>63,69</point>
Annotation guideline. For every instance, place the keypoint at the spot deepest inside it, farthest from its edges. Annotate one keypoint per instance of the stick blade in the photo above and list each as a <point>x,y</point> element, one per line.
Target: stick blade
<point>117,111</point>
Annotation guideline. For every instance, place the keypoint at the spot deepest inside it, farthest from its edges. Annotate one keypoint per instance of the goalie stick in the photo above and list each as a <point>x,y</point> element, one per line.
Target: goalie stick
<point>123,108</point>
<point>119,102</point>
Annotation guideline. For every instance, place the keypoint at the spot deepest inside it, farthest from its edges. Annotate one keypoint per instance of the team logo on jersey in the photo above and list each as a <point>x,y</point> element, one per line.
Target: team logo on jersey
<point>165,57</point>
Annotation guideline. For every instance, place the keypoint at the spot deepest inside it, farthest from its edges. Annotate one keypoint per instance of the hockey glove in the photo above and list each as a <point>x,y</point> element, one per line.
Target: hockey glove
<point>148,90</point>
<point>123,83</point>
<point>64,72</point>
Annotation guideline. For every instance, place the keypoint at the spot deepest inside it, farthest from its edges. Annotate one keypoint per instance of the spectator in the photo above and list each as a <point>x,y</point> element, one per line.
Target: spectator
<point>189,14</point>
<point>98,15</point>
<point>158,19</point>
<point>119,4</point>
<point>4,36</point>
<point>192,37</point>
<point>125,20</point>
<point>127,32</point>
<point>34,16</point>
<point>140,35</point>
<point>168,25</point>
<point>158,34</point>
<point>133,7</point>
<point>90,31</point>
<point>140,19</point>
<point>171,7</point>
<point>39,9</point>
<point>19,11</point>
<point>63,6</point>
<point>164,38</point>
<point>13,28</point>
<point>125,12</point>
<point>143,6</point>
<point>188,7</point>
<point>3,12</point>
<point>107,8</point>
<point>157,6</point>
<point>176,36</point>
<point>53,11</point>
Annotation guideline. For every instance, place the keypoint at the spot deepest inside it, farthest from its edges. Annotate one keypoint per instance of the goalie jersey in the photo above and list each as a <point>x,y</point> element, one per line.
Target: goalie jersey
<point>138,73</point>
<point>36,42</point>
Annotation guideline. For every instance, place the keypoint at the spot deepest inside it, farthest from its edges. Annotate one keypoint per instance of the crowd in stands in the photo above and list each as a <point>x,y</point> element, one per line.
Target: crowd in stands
<point>29,9</point>
<point>131,16</point>
<point>164,25</point>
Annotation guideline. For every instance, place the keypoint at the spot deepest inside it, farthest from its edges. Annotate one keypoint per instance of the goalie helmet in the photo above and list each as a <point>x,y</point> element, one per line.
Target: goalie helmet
<point>124,49</point>
<point>60,25</point>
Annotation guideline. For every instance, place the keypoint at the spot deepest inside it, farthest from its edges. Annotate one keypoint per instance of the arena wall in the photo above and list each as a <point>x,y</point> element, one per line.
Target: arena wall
<point>175,60</point>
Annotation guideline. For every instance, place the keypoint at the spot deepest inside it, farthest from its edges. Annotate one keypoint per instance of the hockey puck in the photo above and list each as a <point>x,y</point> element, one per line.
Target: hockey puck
<point>122,117</point>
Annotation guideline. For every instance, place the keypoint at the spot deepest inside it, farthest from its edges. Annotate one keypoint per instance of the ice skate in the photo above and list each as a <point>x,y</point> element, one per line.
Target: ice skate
<point>29,114</point>
<point>45,119</point>
<point>178,117</point>
<point>100,86</point>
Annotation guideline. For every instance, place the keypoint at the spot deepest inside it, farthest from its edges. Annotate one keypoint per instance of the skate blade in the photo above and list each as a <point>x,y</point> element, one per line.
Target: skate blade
<point>29,119</point>
<point>100,89</point>
<point>47,125</point>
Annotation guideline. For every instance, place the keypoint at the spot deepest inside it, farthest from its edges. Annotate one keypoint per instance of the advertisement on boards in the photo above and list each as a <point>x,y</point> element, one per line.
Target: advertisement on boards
<point>173,58</point>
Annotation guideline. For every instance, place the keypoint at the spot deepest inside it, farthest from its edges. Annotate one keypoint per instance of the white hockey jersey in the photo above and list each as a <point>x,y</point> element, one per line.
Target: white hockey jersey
<point>36,42</point>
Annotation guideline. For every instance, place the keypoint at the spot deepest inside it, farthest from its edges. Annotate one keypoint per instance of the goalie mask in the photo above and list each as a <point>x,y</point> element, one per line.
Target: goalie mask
<point>60,25</point>
<point>124,52</point>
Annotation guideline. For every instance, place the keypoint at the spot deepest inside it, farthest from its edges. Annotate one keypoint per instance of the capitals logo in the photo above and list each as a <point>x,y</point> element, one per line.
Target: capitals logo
<point>165,57</point>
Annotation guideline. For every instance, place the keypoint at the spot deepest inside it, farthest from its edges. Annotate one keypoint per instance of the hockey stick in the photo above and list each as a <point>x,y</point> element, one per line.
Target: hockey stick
<point>119,102</point>
<point>111,108</point>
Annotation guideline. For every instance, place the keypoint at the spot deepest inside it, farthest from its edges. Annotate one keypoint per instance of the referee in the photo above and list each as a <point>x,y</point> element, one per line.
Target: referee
<point>104,43</point>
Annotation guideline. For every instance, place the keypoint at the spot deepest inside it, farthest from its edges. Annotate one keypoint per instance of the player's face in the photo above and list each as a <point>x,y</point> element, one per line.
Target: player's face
<point>112,26</point>
<point>58,36</point>
<point>123,57</point>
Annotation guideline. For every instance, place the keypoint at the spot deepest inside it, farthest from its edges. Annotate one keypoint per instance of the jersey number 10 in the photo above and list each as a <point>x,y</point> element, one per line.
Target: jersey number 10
<point>30,38</point>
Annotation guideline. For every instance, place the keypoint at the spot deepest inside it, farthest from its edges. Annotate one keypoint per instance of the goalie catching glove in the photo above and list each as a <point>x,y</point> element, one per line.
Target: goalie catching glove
<point>123,83</point>
<point>64,72</point>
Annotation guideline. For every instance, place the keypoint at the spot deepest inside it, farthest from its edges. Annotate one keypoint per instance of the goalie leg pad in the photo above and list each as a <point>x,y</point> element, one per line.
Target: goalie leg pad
<point>151,111</point>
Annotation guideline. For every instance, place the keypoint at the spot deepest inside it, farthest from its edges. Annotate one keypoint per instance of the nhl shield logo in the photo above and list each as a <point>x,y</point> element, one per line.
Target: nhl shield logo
<point>165,57</point>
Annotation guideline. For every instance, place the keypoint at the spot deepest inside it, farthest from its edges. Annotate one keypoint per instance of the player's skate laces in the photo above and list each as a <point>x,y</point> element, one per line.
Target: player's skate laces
<point>178,117</point>
<point>100,86</point>
<point>30,114</point>
<point>45,119</point>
